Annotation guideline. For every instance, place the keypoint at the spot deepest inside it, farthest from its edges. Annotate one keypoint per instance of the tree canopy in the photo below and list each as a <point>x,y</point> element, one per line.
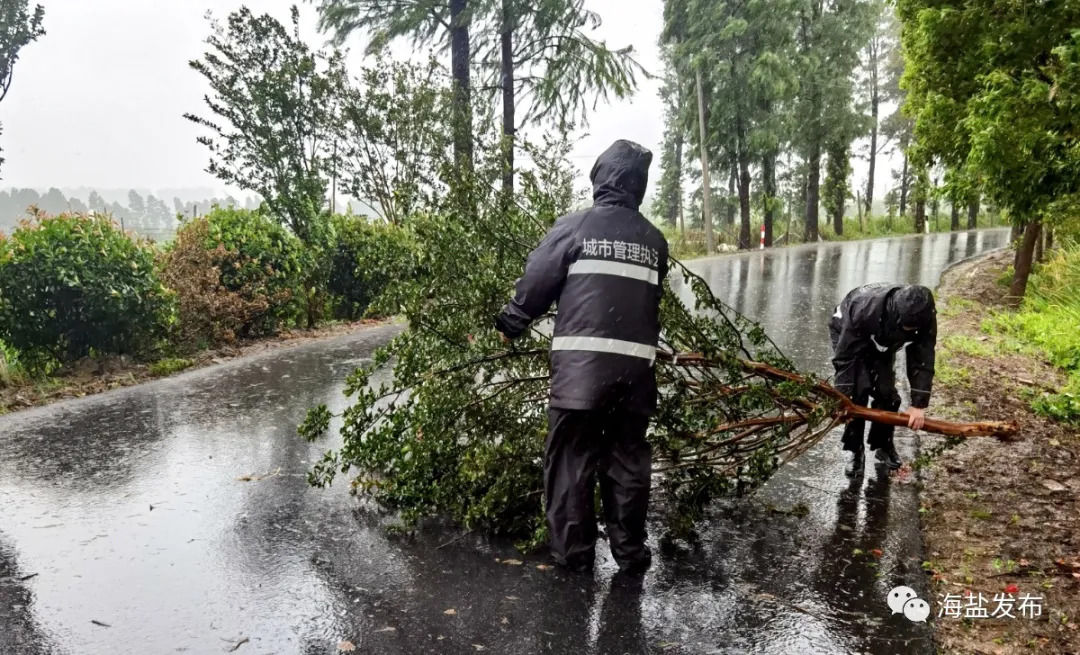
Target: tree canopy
<point>993,86</point>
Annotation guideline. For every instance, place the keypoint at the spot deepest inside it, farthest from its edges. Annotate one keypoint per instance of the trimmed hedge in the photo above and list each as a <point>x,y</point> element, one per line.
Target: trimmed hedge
<point>75,285</point>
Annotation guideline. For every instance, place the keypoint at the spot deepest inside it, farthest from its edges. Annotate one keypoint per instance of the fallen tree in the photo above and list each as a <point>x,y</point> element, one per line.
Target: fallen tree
<point>459,431</point>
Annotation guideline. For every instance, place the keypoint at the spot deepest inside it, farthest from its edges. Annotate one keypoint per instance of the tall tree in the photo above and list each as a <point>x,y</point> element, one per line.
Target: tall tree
<point>743,51</point>
<point>875,57</point>
<point>995,86</point>
<point>920,193</point>
<point>96,202</point>
<point>897,128</point>
<point>670,193</point>
<point>393,141</point>
<point>53,202</point>
<point>973,210</point>
<point>536,53</point>
<point>831,34</point>
<point>446,22</point>
<point>545,60</point>
<point>836,191</point>
<point>275,107</point>
<point>136,206</point>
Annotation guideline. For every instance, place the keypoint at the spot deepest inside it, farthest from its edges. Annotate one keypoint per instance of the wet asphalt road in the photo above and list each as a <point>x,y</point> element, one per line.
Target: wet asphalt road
<point>124,526</point>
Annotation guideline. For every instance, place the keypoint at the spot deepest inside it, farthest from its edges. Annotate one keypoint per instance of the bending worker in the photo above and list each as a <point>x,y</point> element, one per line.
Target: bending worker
<point>604,267</point>
<point>869,326</point>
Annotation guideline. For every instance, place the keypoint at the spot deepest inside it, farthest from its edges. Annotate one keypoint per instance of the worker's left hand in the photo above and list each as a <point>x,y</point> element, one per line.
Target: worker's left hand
<point>503,337</point>
<point>916,418</point>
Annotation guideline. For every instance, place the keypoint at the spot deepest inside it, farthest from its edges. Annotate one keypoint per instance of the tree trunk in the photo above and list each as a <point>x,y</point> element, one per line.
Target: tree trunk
<point>1023,263</point>
<point>1039,245</point>
<point>973,212</point>
<point>506,38</point>
<point>935,204</point>
<point>768,174</point>
<point>800,205</point>
<point>838,188</point>
<point>744,199</point>
<point>873,139</point>
<point>920,213</point>
<point>459,69</point>
<point>677,208</point>
<point>859,208</point>
<point>813,190</point>
<point>744,183</point>
<point>1049,238</point>
<point>710,243</point>
<point>954,215</point>
<point>732,184</point>
<point>904,183</point>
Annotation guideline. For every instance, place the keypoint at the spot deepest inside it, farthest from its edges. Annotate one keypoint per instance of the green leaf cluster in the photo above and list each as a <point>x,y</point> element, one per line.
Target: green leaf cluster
<point>75,285</point>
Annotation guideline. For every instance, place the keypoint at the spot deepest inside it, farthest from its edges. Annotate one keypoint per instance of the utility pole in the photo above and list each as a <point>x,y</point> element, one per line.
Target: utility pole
<point>710,244</point>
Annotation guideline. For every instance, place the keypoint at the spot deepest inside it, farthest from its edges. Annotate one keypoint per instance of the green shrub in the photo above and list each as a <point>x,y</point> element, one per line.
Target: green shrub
<point>365,259</point>
<point>75,285</point>
<point>1063,406</point>
<point>210,313</point>
<point>10,369</point>
<point>1049,320</point>
<point>170,365</point>
<point>237,274</point>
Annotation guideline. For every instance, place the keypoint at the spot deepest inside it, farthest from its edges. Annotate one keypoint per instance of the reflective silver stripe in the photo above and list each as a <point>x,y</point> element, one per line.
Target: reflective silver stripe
<point>621,269</point>
<point>880,347</point>
<point>920,390</point>
<point>604,345</point>
<point>838,314</point>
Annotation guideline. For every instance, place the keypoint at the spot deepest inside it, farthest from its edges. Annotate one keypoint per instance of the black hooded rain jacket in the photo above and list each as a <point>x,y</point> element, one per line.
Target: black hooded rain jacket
<point>604,267</point>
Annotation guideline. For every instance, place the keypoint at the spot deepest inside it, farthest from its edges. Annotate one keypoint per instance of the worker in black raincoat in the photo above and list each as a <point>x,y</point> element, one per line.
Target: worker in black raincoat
<point>604,267</point>
<point>869,326</point>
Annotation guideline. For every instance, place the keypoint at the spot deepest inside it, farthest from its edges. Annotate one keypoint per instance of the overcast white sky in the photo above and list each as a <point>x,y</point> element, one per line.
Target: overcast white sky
<point>98,101</point>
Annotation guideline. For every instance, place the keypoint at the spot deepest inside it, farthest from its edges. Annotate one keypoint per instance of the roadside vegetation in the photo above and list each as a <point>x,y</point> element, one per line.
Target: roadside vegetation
<point>78,295</point>
<point>1003,518</point>
<point>1048,322</point>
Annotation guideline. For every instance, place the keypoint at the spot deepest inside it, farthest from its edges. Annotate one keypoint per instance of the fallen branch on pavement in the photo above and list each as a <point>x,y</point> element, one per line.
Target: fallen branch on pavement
<point>846,410</point>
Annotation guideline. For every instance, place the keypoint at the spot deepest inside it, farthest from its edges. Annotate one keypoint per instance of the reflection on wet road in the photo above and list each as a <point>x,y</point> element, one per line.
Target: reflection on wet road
<point>175,517</point>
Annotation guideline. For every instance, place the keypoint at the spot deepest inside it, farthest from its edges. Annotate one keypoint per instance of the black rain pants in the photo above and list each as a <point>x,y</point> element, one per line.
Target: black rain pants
<point>875,378</point>
<point>583,446</point>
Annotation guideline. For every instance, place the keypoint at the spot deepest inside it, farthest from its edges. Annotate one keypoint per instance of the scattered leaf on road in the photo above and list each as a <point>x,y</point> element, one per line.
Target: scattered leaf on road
<point>1011,589</point>
<point>512,562</point>
<point>239,644</point>
<point>96,622</point>
<point>346,647</point>
<point>450,612</point>
<point>543,567</point>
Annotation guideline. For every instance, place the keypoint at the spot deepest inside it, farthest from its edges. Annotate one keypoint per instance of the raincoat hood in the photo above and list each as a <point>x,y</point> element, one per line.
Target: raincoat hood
<point>912,306</point>
<point>621,174</point>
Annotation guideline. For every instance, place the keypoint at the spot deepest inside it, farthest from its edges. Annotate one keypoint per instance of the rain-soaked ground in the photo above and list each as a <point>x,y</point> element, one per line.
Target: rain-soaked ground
<point>125,526</point>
